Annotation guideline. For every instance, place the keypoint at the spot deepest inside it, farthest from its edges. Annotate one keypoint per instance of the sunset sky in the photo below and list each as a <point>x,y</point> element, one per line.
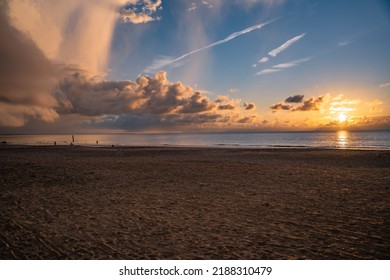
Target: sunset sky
<point>72,66</point>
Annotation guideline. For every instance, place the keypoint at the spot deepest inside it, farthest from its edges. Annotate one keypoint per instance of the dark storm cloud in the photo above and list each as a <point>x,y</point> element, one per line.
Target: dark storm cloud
<point>26,77</point>
<point>294,99</point>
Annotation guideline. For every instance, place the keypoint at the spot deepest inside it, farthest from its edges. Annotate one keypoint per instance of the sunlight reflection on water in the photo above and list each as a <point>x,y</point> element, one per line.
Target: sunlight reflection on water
<point>342,139</point>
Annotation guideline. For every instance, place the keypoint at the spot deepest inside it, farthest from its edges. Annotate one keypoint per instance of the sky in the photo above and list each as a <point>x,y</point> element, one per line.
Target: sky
<point>70,66</point>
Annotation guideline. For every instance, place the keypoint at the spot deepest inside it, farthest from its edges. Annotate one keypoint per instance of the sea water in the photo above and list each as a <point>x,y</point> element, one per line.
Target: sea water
<point>336,140</point>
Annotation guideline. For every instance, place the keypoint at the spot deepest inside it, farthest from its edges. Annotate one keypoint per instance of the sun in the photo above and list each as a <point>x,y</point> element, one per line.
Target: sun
<point>342,117</point>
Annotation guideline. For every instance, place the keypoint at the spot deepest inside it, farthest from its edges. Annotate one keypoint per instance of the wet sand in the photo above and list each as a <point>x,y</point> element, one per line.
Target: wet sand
<point>75,202</point>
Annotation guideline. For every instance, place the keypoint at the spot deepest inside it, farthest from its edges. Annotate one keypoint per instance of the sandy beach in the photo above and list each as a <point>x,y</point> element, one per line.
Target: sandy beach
<point>71,202</point>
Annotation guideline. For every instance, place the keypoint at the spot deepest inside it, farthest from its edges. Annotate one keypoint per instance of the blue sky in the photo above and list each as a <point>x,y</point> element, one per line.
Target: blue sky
<point>260,52</point>
<point>340,36</point>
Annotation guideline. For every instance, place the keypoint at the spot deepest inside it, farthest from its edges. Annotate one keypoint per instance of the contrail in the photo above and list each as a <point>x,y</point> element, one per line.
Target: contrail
<point>166,61</point>
<point>288,43</point>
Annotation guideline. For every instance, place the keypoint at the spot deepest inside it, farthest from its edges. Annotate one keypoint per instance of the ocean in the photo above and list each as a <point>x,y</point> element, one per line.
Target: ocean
<point>333,140</point>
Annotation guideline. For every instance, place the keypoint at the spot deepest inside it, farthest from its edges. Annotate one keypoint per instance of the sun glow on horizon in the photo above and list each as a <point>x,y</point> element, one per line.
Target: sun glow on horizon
<point>342,117</point>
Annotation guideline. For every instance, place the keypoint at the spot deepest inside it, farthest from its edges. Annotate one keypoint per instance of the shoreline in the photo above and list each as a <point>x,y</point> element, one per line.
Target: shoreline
<point>76,202</point>
<point>377,140</point>
<point>216,146</point>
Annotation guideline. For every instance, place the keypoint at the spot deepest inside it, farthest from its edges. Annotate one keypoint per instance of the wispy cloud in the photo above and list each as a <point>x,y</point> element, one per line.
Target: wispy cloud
<point>384,85</point>
<point>156,66</point>
<point>344,105</point>
<point>267,3</point>
<point>234,90</point>
<point>162,61</point>
<point>192,7</point>
<point>282,66</point>
<point>267,71</point>
<point>287,44</point>
<point>275,52</point>
<point>291,63</point>
<point>206,3</point>
<point>263,59</point>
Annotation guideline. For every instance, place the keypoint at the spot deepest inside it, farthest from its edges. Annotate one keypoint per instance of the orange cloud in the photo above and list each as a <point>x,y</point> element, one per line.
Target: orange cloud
<point>346,105</point>
<point>311,104</point>
<point>26,77</point>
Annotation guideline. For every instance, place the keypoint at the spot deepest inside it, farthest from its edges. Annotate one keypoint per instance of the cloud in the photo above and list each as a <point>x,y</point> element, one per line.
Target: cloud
<point>222,98</point>
<point>156,66</point>
<point>227,107</point>
<point>338,97</point>
<point>282,66</point>
<point>346,102</point>
<point>75,32</point>
<point>78,32</point>
<point>343,44</point>
<point>85,95</point>
<point>151,100</point>
<point>249,106</point>
<point>278,50</point>
<point>140,11</point>
<point>267,3</point>
<point>192,7</point>
<point>291,63</point>
<point>26,77</point>
<point>207,4</point>
<point>250,120</point>
<point>53,83</point>
<point>267,71</point>
<point>263,59</point>
<point>227,103</point>
<point>136,122</point>
<point>287,44</point>
<point>383,85</point>
<point>17,115</point>
<point>133,17</point>
<point>311,104</point>
<point>280,106</point>
<point>294,99</point>
<point>363,122</point>
<point>196,104</point>
<point>162,61</point>
<point>343,105</point>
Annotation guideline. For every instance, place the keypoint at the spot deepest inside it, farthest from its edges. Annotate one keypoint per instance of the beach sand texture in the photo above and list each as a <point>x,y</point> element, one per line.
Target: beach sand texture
<point>75,202</point>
